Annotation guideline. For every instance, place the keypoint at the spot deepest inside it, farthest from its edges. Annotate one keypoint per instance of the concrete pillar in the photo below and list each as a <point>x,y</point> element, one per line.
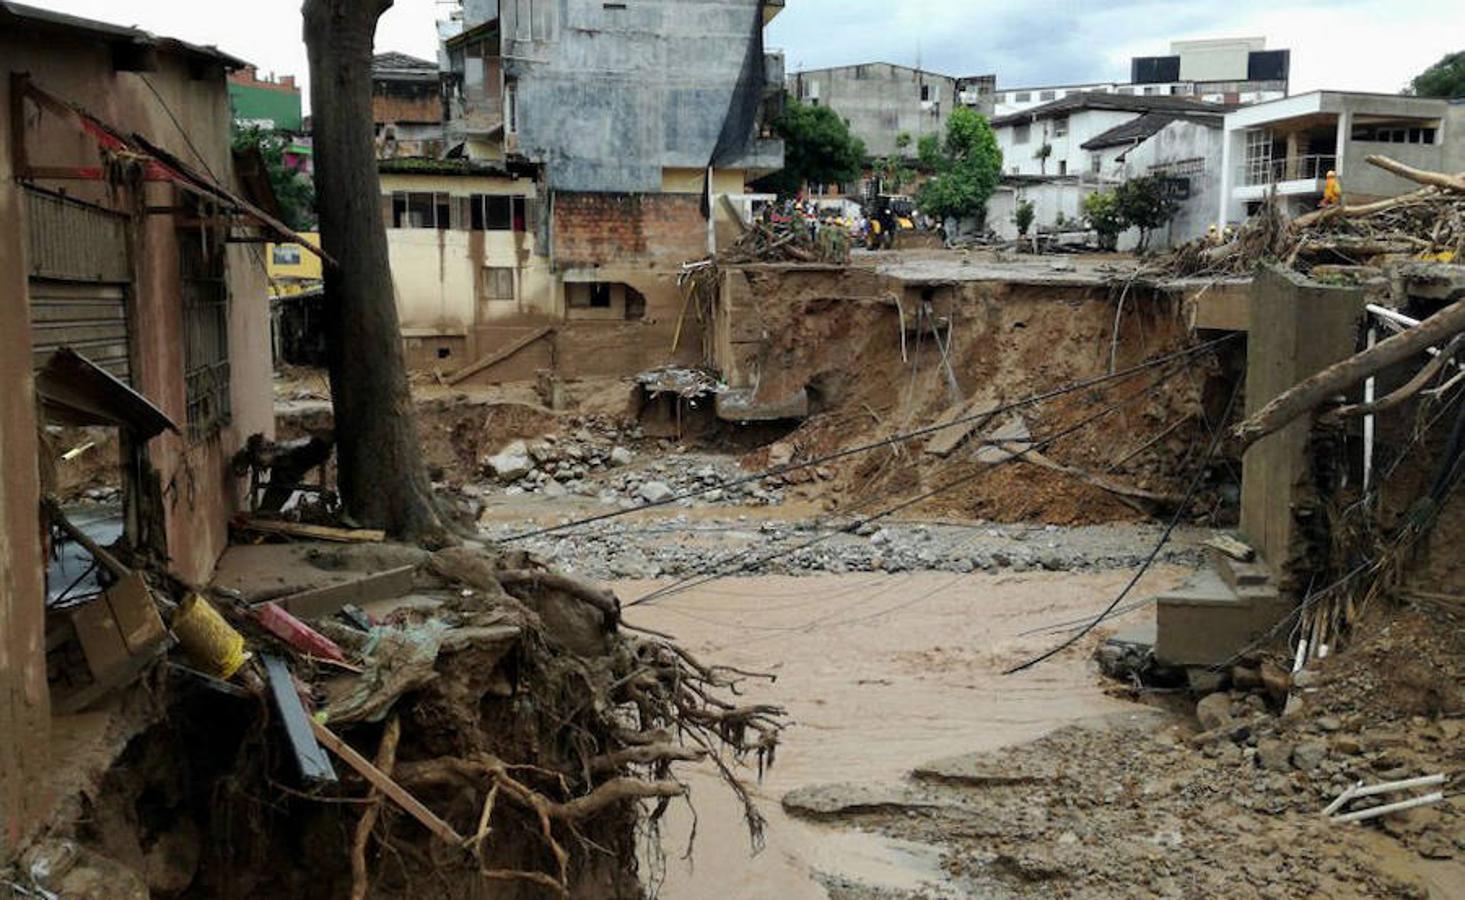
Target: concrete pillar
<point>1345,133</point>
<point>1294,144</point>
<point>24,699</point>
<point>1298,327</point>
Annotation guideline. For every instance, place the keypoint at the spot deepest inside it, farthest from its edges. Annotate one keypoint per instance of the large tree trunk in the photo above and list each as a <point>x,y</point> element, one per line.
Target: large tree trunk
<point>1309,394</point>
<point>383,479</point>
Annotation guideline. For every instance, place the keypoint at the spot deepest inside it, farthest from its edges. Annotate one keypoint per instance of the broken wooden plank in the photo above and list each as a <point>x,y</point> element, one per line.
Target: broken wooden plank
<point>310,532</point>
<point>315,765</point>
<point>1230,546</point>
<point>296,633</point>
<point>494,359</point>
<point>957,424</point>
<point>382,782</point>
<point>315,603</point>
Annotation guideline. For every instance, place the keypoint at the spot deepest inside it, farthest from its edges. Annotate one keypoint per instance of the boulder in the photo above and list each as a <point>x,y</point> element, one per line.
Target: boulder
<point>1309,756</point>
<point>620,456</point>
<point>1274,755</point>
<point>1214,711</point>
<point>656,492</point>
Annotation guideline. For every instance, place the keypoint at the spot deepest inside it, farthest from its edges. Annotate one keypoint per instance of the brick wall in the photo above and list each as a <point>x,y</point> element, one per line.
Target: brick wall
<point>603,228</point>
<point>393,102</point>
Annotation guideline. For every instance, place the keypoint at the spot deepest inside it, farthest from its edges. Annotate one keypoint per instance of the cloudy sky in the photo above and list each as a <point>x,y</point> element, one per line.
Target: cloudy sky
<point>1371,45</point>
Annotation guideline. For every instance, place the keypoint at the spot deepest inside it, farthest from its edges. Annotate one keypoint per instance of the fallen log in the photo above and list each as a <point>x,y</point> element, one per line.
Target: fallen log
<point>1421,176</point>
<point>1414,386</point>
<point>1316,217</point>
<point>1312,392</point>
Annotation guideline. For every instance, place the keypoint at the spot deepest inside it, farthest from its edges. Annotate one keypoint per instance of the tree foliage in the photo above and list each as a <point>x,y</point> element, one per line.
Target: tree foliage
<point>1146,203</point>
<point>294,190</point>
<point>967,164</point>
<point>818,149</point>
<point>1445,78</point>
<point>1101,210</point>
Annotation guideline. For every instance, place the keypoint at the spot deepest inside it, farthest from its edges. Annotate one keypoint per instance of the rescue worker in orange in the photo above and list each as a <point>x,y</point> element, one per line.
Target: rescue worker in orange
<point>1332,191</point>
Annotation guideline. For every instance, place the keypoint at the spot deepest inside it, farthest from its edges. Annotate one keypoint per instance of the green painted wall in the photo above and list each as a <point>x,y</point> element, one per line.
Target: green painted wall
<point>252,105</point>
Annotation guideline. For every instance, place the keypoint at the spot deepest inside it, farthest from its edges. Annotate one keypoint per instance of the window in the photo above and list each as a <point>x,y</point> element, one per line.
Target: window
<point>600,295</point>
<point>1062,167</point>
<point>1001,98</point>
<point>1021,133</point>
<point>1126,90</point>
<point>411,209</point>
<point>1022,97</point>
<point>1096,163</point>
<point>925,93</point>
<point>511,108</point>
<point>1048,95</point>
<point>498,212</point>
<point>1060,126</point>
<point>286,255</point>
<point>1390,133</point>
<point>201,265</point>
<point>1151,90</point>
<point>498,283</point>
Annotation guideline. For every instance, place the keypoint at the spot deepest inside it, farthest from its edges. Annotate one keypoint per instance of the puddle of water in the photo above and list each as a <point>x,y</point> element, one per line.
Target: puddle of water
<point>879,674</point>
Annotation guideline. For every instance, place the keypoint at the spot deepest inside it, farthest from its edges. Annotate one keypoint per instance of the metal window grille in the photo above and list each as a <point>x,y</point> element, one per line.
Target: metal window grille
<point>205,332</point>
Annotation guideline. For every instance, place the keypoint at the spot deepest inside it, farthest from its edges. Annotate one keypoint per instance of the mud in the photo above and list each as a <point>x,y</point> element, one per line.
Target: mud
<point>878,677</point>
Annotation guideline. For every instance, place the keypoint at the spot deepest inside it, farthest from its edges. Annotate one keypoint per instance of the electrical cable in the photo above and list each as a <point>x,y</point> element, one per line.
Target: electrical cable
<point>1170,527</point>
<point>709,574</point>
<point>1031,400</point>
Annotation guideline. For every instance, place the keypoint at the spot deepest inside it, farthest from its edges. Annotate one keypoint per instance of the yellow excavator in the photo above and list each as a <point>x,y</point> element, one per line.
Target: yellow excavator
<point>889,214</point>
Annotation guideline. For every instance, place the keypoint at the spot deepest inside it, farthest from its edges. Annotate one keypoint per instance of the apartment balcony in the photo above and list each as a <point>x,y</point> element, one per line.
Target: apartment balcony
<point>771,8</point>
<point>1295,176</point>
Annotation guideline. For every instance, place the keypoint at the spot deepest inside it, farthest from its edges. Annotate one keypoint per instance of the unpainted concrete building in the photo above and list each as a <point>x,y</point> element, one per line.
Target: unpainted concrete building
<point>881,101</point>
<point>115,245</point>
<point>593,148</point>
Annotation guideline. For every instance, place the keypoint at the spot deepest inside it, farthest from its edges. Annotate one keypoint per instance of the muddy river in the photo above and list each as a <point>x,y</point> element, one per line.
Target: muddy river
<point>879,673</point>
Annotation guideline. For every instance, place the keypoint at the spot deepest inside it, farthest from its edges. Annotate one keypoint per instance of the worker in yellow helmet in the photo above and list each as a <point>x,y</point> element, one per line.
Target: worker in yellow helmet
<point>1332,191</point>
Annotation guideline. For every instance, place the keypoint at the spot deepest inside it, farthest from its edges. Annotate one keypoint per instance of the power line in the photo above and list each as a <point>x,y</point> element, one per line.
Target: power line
<point>710,574</point>
<point>987,414</point>
<point>1170,527</point>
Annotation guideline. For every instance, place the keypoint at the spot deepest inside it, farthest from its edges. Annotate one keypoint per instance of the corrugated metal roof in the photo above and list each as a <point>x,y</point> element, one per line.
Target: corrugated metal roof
<point>1144,127</point>
<point>50,20</point>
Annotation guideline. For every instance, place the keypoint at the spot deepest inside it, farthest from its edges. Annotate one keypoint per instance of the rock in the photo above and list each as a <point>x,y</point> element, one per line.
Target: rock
<point>656,492</point>
<point>1245,678</point>
<point>1274,755</point>
<point>1309,756</point>
<point>508,466</point>
<point>1276,680</point>
<point>1214,711</point>
<point>620,456</point>
<point>1329,723</point>
<point>1348,744</point>
<point>555,490</point>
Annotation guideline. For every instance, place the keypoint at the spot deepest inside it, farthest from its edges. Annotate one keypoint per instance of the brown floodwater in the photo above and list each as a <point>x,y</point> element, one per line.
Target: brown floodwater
<point>879,673</point>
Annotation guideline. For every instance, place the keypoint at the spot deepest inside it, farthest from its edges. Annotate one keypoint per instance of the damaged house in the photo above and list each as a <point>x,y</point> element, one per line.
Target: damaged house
<point>132,300</point>
<point>551,232</point>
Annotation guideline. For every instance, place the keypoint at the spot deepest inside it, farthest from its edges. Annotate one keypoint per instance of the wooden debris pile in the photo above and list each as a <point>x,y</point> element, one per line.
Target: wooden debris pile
<point>1425,224</point>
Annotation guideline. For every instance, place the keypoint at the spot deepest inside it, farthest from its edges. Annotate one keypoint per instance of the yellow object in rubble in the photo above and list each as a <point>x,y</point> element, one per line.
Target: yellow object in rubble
<point>209,640</point>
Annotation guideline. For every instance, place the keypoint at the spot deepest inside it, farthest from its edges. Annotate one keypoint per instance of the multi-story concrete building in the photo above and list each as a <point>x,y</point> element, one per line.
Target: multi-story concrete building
<point>1230,71</point>
<point>1288,146</point>
<point>1086,132</point>
<point>882,101</point>
<point>1057,154</point>
<point>590,149</point>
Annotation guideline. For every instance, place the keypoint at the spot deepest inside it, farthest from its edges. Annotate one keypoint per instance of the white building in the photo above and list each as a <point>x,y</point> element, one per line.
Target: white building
<point>1077,134</point>
<point>1290,145</point>
<point>1095,142</point>
<point>1230,71</point>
